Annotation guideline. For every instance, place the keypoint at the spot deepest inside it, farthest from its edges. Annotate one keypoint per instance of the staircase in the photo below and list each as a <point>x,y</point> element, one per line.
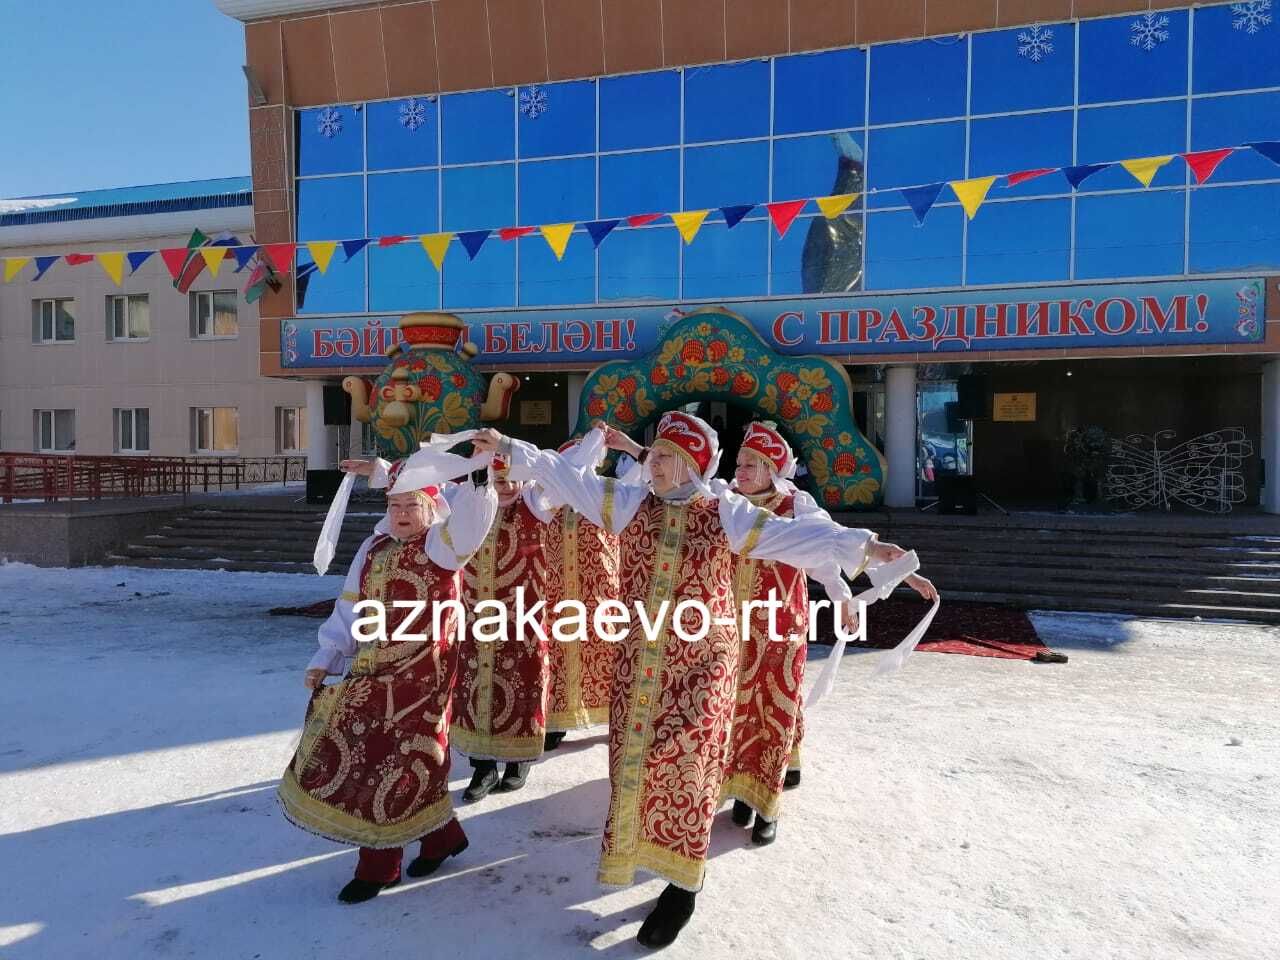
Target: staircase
<point>1154,565</point>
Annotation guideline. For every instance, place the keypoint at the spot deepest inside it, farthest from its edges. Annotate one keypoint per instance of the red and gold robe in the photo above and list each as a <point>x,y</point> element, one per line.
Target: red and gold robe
<point>501,699</point>
<point>582,565</point>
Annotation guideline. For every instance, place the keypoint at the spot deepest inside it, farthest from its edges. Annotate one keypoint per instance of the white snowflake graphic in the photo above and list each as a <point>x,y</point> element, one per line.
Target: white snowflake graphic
<point>1149,31</point>
<point>1252,16</point>
<point>1035,44</point>
<point>533,102</point>
<point>329,123</point>
<point>413,114</point>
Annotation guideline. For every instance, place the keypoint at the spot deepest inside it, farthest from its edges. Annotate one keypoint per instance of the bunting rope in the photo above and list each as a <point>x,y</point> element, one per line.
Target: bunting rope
<point>185,263</point>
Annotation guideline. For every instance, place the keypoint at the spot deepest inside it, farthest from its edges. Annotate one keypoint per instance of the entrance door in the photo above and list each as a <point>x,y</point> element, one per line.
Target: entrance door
<point>943,443</point>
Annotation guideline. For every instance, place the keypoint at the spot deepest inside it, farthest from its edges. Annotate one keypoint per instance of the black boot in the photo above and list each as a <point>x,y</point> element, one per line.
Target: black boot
<point>426,866</point>
<point>765,832</point>
<point>741,814</point>
<point>667,919</point>
<point>482,781</point>
<point>358,891</point>
<point>792,779</point>
<point>514,777</point>
<point>552,740</point>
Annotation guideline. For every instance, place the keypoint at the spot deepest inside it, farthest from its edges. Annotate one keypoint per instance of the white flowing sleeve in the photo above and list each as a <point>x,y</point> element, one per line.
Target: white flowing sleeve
<point>471,513</point>
<point>835,585</point>
<point>540,503</point>
<point>334,637</point>
<point>602,500</point>
<point>381,475</point>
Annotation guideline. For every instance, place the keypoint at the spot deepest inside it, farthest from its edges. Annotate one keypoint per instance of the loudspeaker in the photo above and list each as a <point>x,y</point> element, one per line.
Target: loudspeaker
<point>322,485</point>
<point>973,394</point>
<point>957,494</point>
<point>337,406</point>
<point>955,422</point>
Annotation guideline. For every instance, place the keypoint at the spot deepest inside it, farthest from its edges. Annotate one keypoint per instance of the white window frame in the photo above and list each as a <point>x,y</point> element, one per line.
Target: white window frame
<point>197,415</point>
<point>130,415</point>
<point>38,320</point>
<point>199,296</point>
<point>51,415</point>
<point>299,429</point>
<point>126,300</point>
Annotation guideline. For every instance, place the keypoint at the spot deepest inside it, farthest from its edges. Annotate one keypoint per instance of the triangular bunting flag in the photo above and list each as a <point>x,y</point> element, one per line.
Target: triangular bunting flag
<point>391,241</point>
<point>1144,169</point>
<point>78,259</point>
<point>137,258</point>
<point>13,266</point>
<point>733,215</point>
<point>213,257</point>
<point>557,237</point>
<point>599,229</point>
<point>112,265</point>
<point>351,247</point>
<point>280,255</point>
<point>971,193</point>
<point>436,245</point>
<point>835,205</point>
<point>922,199</point>
<point>641,219</point>
<point>43,264</point>
<point>513,233</point>
<point>1204,162</point>
<point>689,222</point>
<point>1022,176</point>
<point>243,255</point>
<point>174,258</point>
<point>472,241</point>
<point>1268,148</point>
<point>192,265</point>
<point>1079,174</point>
<point>322,252</point>
<point>783,214</point>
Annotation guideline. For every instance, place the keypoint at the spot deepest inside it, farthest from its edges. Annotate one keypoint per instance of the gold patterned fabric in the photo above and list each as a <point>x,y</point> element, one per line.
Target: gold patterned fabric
<point>372,767</point>
<point>500,705</point>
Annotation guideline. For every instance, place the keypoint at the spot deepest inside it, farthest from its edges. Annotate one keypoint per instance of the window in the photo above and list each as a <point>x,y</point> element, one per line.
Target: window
<point>402,133</point>
<point>132,430</point>
<point>726,102</point>
<point>906,156</point>
<point>215,429</point>
<point>640,110</point>
<point>1004,79</point>
<point>556,191</point>
<point>819,91</point>
<point>1114,67</point>
<point>128,317</point>
<point>566,126</point>
<point>330,140</point>
<point>213,314</point>
<point>291,429</point>
<point>331,208</point>
<point>55,431</point>
<point>53,321</point>
<point>919,79</point>
<point>479,126</point>
<point>728,263</point>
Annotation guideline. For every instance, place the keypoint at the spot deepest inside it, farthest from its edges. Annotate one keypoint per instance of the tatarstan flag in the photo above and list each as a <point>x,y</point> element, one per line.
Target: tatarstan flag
<point>192,265</point>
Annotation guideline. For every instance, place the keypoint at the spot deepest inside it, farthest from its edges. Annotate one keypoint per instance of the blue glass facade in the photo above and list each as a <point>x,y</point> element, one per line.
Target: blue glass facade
<point>876,118</point>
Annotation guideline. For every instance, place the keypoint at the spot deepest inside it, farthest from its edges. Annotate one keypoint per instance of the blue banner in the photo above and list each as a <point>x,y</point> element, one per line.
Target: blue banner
<point>1172,313</point>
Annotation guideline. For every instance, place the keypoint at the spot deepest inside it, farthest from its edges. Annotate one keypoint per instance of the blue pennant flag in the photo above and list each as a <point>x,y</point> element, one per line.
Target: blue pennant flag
<point>733,215</point>
<point>473,240</point>
<point>351,247</point>
<point>922,199</point>
<point>43,264</point>
<point>243,255</point>
<point>1078,175</point>
<point>137,258</point>
<point>599,229</point>
<point>1268,148</point>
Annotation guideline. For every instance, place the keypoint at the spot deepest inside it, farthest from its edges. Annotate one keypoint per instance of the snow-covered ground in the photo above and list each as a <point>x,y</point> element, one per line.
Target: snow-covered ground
<point>966,808</point>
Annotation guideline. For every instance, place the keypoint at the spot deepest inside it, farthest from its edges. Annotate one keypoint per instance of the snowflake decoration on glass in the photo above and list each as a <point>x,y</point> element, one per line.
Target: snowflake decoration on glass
<point>413,114</point>
<point>1149,31</point>
<point>533,102</point>
<point>1252,16</point>
<point>329,123</point>
<point>1035,44</point>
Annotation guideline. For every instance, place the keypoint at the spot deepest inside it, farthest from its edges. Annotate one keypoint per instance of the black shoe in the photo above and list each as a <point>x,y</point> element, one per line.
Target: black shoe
<point>791,780</point>
<point>764,832</point>
<point>358,891</point>
<point>552,740</point>
<point>667,919</point>
<point>482,781</point>
<point>741,814</point>
<point>514,777</point>
<point>426,866</point>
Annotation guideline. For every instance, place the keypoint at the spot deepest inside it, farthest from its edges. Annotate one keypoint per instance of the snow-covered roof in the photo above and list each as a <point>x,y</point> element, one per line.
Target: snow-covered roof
<point>260,9</point>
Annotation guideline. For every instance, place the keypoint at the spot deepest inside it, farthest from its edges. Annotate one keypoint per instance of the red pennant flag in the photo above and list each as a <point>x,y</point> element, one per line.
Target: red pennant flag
<point>1022,176</point>
<point>640,219</point>
<point>513,233</point>
<point>76,259</point>
<point>1204,162</point>
<point>783,214</point>
<point>280,254</point>
<point>390,241</point>
<point>174,259</point>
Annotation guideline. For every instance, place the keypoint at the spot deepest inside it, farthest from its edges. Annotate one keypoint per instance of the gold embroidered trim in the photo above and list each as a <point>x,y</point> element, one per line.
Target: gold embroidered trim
<point>619,870</point>
<point>348,596</point>
<point>606,511</point>
<point>757,529</point>
<point>486,746</point>
<point>319,817</point>
<point>759,796</point>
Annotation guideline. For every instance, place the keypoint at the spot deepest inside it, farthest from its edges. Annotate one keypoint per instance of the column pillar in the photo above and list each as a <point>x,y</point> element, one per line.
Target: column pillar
<point>322,441</point>
<point>1270,445</point>
<point>575,382</point>
<point>900,436</point>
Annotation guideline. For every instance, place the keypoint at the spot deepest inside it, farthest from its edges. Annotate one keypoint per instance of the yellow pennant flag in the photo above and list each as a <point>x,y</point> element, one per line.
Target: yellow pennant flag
<point>112,265</point>
<point>833,206</point>
<point>436,244</point>
<point>689,222</point>
<point>557,237</point>
<point>322,252</point>
<point>13,266</point>
<point>1144,169</point>
<point>972,193</point>
<point>213,257</point>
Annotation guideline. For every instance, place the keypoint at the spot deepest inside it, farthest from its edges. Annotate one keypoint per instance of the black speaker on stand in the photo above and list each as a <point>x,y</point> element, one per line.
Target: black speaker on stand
<point>337,406</point>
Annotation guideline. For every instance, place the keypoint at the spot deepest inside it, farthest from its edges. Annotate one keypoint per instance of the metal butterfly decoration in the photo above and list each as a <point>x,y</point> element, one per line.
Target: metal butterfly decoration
<point>1203,473</point>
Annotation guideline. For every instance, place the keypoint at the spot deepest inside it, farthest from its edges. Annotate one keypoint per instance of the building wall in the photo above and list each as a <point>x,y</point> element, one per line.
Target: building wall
<point>168,374</point>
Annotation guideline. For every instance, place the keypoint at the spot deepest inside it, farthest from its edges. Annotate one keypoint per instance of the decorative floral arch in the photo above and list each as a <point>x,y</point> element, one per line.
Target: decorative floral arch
<point>714,354</point>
